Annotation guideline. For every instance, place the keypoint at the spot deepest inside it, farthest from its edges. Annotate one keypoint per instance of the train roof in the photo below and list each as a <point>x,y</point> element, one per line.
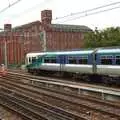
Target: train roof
<point>70,52</point>
<point>34,54</point>
<point>59,53</point>
<point>98,50</point>
<point>102,51</point>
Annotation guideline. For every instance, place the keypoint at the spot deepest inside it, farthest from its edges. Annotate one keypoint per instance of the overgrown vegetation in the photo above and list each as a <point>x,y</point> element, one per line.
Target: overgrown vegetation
<point>104,38</point>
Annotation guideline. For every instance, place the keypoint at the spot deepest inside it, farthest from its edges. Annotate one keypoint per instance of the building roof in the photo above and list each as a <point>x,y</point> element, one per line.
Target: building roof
<point>72,28</point>
<point>26,25</point>
<point>55,27</point>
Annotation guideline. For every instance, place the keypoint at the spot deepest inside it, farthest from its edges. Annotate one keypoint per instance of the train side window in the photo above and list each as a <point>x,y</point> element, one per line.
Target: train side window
<point>117,60</point>
<point>39,59</point>
<point>33,59</point>
<point>83,60</point>
<point>46,60</point>
<point>53,60</point>
<point>29,59</point>
<point>72,60</point>
<point>50,60</point>
<point>106,60</point>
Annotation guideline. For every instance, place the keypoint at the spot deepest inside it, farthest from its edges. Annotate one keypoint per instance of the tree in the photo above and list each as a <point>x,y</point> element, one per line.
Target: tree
<point>104,38</point>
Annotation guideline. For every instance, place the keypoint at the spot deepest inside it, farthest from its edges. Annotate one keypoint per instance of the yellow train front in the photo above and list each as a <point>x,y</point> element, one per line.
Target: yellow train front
<point>3,70</point>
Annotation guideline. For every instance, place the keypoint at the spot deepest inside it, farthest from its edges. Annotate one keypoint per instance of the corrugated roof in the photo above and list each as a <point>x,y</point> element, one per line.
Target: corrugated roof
<point>72,28</point>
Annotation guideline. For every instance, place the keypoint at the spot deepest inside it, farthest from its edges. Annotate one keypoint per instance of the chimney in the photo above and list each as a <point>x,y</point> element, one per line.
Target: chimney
<point>7,27</point>
<point>46,16</point>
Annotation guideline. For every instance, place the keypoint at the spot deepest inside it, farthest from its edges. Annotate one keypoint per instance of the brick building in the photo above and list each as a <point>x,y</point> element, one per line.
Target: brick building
<point>39,36</point>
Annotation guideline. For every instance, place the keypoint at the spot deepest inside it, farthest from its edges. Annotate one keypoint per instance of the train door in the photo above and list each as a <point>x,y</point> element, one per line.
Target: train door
<point>62,62</point>
<point>94,61</point>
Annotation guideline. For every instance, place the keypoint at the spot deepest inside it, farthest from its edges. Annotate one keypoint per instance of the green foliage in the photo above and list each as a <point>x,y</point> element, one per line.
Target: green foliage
<point>104,38</point>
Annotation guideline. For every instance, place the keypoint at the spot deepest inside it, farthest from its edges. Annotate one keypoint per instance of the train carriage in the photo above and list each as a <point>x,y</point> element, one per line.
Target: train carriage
<point>67,61</point>
<point>78,62</point>
<point>95,63</point>
<point>108,61</point>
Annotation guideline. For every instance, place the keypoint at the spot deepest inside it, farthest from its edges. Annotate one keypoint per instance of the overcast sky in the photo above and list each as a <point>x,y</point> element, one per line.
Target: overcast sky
<point>29,10</point>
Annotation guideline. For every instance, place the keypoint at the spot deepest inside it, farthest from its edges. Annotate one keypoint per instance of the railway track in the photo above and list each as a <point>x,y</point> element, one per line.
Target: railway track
<point>28,106</point>
<point>78,106</point>
<point>25,73</point>
<point>21,94</point>
<point>97,91</point>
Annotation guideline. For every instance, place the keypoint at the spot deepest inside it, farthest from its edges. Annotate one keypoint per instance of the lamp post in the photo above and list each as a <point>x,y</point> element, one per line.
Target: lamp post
<point>44,43</point>
<point>5,49</point>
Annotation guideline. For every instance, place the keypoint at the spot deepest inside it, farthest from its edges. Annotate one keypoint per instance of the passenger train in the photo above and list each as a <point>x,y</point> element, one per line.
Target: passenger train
<point>100,64</point>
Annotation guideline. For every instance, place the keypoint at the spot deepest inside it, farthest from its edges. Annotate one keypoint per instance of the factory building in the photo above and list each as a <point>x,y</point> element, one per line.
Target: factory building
<point>36,36</point>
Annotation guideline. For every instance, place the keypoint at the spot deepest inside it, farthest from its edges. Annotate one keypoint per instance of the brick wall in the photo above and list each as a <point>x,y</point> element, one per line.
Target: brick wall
<point>64,40</point>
